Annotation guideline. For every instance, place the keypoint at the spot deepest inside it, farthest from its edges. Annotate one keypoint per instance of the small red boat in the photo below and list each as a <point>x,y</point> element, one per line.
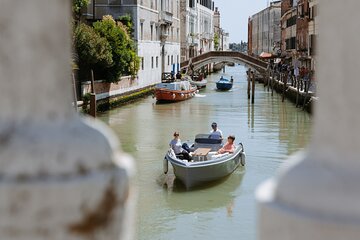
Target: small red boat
<point>174,91</point>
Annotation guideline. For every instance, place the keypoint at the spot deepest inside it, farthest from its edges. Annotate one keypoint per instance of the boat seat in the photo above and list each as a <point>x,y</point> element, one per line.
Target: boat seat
<point>180,156</point>
<point>214,147</point>
<point>213,155</point>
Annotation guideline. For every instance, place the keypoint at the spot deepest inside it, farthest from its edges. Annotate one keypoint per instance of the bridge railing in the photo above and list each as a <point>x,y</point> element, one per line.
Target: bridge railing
<point>214,54</point>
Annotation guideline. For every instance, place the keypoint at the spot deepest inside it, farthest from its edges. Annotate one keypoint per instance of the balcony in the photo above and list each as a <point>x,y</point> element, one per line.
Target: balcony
<point>164,36</point>
<point>166,18</point>
<point>207,36</point>
<point>193,40</point>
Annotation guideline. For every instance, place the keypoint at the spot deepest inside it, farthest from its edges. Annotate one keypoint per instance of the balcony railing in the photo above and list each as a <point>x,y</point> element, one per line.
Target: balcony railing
<point>192,42</point>
<point>207,36</point>
<point>166,17</point>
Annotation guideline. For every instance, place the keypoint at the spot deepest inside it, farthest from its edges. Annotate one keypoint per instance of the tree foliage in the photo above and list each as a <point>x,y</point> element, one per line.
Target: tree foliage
<point>77,6</point>
<point>125,60</point>
<point>128,23</point>
<point>93,51</point>
<point>107,48</point>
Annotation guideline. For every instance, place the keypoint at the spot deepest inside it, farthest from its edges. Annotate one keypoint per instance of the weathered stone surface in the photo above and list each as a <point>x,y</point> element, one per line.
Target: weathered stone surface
<point>316,196</point>
<point>61,176</point>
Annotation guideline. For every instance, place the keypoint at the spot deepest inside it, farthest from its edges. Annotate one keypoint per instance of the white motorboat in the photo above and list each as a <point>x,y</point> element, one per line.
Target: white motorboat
<point>206,165</point>
<point>198,83</point>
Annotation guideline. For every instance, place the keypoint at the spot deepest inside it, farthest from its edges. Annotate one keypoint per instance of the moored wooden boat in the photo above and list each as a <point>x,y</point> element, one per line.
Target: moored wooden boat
<point>207,167</point>
<point>174,91</point>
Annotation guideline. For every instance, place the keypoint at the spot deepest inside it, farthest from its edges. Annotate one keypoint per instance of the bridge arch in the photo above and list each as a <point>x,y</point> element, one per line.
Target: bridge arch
<point>224,56</point>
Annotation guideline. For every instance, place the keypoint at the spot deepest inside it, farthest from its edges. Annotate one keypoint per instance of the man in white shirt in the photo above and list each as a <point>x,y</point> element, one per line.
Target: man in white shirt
<point>215,133</point>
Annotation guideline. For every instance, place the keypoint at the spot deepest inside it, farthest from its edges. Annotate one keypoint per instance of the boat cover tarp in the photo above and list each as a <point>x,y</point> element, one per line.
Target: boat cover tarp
<point>177,86</point>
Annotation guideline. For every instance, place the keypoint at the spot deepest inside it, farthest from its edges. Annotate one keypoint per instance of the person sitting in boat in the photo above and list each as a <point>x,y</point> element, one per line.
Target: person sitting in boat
<point>178,76</point>
<point>181,150</point>
<point>229,147</point>
<point>215,132</point>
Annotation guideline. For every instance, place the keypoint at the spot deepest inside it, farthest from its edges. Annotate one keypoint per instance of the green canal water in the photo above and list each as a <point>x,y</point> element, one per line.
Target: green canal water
<point>270,131</point>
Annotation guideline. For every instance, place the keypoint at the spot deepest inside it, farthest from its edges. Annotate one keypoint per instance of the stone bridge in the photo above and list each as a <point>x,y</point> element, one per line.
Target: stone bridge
<point>224,56</point>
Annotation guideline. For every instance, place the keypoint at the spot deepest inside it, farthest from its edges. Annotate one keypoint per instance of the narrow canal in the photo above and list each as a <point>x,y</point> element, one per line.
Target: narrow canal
<point>270,131</point>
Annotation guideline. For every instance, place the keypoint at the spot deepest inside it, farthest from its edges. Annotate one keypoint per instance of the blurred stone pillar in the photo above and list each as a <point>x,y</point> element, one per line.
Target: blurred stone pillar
<point>61,177</point>
<point>317,195</point>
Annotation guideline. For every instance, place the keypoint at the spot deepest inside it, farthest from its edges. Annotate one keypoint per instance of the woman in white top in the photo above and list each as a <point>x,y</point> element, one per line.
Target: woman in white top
<point>176,145</point>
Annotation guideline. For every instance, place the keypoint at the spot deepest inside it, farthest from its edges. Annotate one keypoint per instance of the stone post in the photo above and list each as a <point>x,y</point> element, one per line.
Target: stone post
<point>61,176</point>
<point>317,195</point>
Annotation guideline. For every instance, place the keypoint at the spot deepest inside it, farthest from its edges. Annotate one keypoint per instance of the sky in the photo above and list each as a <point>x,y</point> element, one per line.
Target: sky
<point>235,14</point>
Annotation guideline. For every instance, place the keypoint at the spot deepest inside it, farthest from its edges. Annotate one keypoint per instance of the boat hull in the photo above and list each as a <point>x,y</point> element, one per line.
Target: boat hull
<point>193,174</point>
<point>163,94</point>
<point>223,86</point>
<point>199,84</point>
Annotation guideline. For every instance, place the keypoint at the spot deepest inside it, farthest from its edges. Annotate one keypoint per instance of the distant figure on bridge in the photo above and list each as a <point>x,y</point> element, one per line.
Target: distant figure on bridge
<point>231,79</point>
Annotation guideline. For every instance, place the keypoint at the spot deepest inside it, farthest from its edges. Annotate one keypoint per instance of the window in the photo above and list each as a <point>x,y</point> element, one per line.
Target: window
<point>156,33</point>
<point>141,30</point>
<point>157,62</point>
<point>152,31</point>
<point>291,43</point>
<point>142,63</point>
<point>312,12</point>
<point>291,21</point>
<point>301,11</point>
<point>312,44</point>
<point>177,34</point>
<point>152,62</point>
<point>172,59</point>
<point>168,60</point>
<point>177,59</point>
<point>191,3</point>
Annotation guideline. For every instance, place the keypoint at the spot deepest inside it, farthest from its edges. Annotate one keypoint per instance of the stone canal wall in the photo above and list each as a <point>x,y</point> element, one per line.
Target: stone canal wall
<point>301,99</point>
<point>109,95</point>
<point>105,90</point>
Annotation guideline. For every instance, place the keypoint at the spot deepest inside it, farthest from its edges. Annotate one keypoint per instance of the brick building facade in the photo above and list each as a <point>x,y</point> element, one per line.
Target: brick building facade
<point>264,32</point>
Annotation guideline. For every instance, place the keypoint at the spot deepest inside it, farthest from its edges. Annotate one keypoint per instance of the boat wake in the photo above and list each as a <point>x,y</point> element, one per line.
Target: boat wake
<point>199,95</point>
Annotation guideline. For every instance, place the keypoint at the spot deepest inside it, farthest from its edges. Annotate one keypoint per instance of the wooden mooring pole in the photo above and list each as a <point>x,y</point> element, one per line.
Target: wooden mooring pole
<point>306,90</point>
<point>92,96</point>
<point>285,76</point>
<point>253,87</point>
<point>249,79</point>
<point>92,82</point>
<point>297,82</point>
<point>93,105</point>
<point>268,79</point>
<point>272,83</point>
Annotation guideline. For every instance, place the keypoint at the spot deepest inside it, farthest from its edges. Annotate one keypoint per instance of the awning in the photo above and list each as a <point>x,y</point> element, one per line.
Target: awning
<point>266,55</point>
